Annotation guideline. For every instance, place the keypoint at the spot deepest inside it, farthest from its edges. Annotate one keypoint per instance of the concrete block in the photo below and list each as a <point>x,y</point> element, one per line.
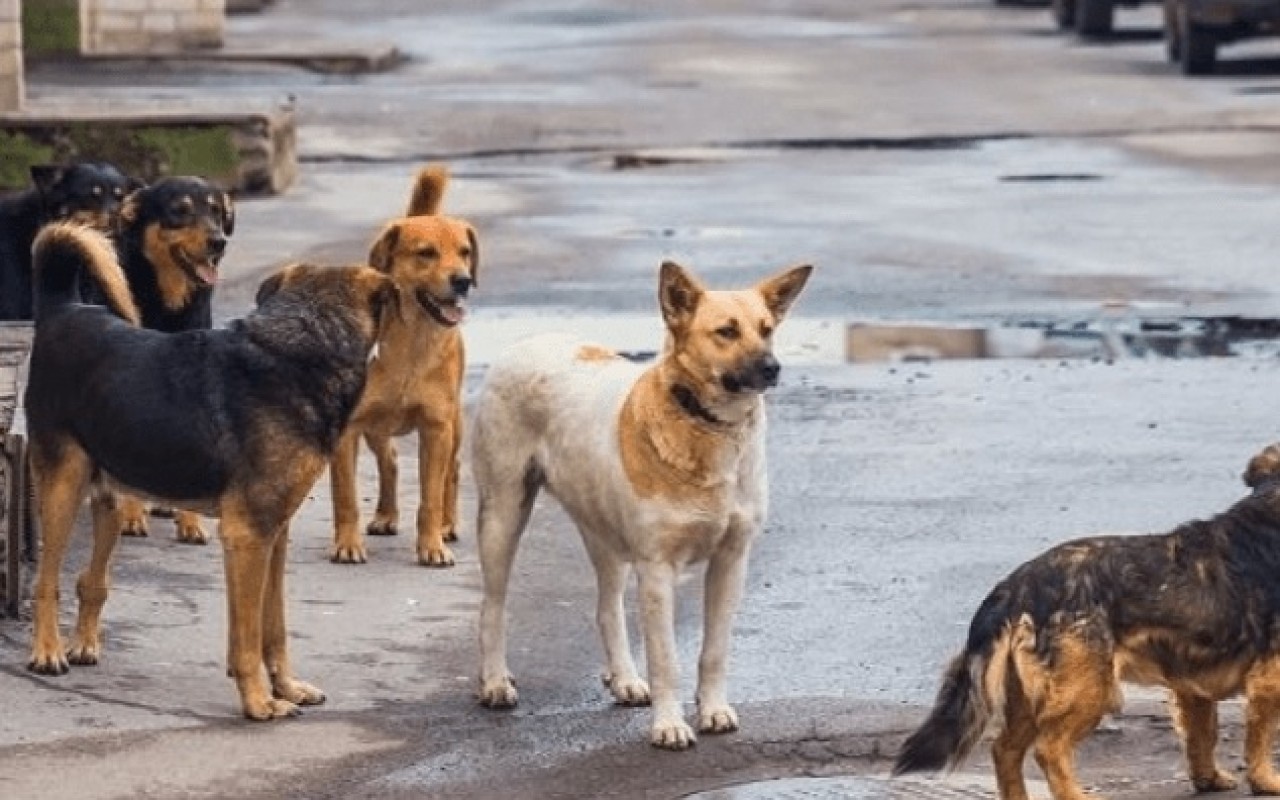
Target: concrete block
<point>155,23</point>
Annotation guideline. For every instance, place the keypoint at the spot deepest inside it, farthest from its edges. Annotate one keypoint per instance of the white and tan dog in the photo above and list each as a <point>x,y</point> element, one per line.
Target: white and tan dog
<point>659,467</point>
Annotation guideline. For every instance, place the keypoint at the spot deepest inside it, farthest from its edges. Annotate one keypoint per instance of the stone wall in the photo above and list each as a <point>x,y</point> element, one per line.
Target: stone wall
<point>135,27</point>
<point>11,93</point>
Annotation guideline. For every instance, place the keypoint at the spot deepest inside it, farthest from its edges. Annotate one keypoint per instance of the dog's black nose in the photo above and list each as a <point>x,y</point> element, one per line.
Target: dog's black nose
<point>460,284</point>
<point>769,368</point>
<point>217,245</point>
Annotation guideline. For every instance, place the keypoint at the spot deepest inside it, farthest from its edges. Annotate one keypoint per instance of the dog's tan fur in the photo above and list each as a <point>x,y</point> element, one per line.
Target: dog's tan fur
<point>415,384</point>
<point>659,467</point>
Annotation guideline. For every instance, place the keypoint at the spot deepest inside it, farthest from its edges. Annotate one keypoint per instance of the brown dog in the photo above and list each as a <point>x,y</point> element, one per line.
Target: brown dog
<point>110,408</point>
<point>1195,610</point>
<point>415,383</point>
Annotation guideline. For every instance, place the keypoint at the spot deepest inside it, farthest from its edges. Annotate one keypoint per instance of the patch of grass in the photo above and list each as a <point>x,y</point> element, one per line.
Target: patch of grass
<point>206,151</point>
<point>51,26</point>
<point>20,152</point>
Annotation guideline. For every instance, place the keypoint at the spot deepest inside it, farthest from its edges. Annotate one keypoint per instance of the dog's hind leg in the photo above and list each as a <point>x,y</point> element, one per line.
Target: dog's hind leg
<point>1009,750</point>
<point>94,583</point>
<point>507,492</point>
<point>348,543</point>
<point>1080,689</point>
<point>621,675</point>
<point>275,639</point>
<point>726,573</point>
<point>450,509</point>
<point>61,483</point>
<point>1262,696</point>
<point>386,519</point>
<point>1196,719</point>
<point>657,610</point>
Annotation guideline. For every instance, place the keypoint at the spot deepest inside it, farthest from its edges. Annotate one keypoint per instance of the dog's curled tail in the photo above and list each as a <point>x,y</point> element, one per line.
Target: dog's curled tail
<point>428,190</point>
<point>971,697</point>
<point>62,252</point>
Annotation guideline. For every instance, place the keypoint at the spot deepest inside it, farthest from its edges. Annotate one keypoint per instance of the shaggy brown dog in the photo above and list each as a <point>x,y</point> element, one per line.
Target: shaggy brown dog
<point>110,407</point>
<point>415,384</point>
<point>1196,610</point>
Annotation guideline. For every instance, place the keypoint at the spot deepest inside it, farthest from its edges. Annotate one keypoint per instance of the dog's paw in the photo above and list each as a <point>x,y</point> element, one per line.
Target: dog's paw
<point>269,709</point>
<point>1267,783</point>
<point>451,535</point>
<point>84,653</point>
<point>672,734</point>
<point>717,719</point>
<point>298,692</point>
<point>1221,781</point>
<point>190,532</point>
<point>499,693</point>
<point>435,557</point>
<point>382,527</point>
<point>628,690</point>
<point>353,553</point>
<point>47,661</point>
<point>133,526</point>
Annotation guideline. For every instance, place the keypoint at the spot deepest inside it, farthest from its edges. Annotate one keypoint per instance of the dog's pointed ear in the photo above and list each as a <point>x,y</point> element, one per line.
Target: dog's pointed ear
<point>475,256</point>
<point>1263,467</point>
<point>383,253</point>
<point>678,294</point>
<point>782,289</point>
<point>228,214</point>
<point>44,176</point>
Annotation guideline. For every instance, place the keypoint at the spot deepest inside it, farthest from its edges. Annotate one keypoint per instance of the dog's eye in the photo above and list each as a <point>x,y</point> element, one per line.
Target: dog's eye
<point>118,192</point>
<point>97,191</point>
<point>428,253</point>
<point>464,252</point>
<point>766,331</point>
<point>729,332</point>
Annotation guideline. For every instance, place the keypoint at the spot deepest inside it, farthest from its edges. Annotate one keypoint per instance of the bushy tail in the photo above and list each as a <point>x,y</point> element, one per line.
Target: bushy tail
<point>62,252</point>
<point>428,190</point>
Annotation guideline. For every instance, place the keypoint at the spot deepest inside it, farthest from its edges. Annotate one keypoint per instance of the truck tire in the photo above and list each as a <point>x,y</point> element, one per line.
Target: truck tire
<point>1064,13</point>
<point>1197,44</point>
<point>1094,18</point>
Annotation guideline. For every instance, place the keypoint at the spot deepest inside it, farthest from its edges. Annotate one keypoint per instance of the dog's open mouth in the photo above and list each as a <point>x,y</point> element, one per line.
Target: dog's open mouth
<point>446,312</point>
<point>204,270</point>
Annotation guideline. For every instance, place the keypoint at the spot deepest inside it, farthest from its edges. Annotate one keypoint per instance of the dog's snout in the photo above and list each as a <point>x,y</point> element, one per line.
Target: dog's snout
<point>217,245</point>
<point>460,284</point>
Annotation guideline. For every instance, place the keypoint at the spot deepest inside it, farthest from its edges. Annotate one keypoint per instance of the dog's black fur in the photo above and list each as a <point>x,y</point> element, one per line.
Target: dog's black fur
<point>171,237</point>
<point>89,192</point>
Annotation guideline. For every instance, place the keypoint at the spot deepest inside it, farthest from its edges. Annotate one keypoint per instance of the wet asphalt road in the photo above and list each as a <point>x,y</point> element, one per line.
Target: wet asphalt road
<point>1057,177</point>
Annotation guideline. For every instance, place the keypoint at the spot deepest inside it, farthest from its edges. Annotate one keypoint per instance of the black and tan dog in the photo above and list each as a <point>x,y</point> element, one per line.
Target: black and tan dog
<point>111,406</point>
<point>171,236</point>
<point>415,386</point>
<point>1196,610</point>
<point>90,193</point>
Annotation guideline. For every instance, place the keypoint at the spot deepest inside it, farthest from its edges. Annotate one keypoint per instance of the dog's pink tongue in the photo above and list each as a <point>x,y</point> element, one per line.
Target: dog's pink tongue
<point>454,312</point>
<point>207,272</point>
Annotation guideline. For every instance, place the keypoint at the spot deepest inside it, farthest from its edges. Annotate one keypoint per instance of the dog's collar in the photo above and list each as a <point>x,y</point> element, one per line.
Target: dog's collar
<point>689,403</point>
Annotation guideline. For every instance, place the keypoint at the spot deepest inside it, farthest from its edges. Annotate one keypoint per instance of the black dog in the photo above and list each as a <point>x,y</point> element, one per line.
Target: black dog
<point>238,422</point>
<point>90,193</point>
<point>171,237</point>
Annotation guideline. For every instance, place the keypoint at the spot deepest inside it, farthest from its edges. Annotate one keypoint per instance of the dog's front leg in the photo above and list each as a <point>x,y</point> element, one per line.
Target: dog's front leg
<point>657,610</point>
<point>726,573</point>
<point>248,556</point>
<point>1262,695</point>
<point>436,454</point>
<point>348,543</point>
<point>1196,719</point>
<point>275,635</point>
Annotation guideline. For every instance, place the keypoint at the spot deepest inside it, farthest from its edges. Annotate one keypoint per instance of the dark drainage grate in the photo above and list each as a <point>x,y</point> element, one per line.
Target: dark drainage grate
<point>953,788</point>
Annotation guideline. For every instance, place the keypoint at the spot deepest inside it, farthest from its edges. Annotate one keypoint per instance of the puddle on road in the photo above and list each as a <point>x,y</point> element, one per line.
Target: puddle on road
<point>826,341</point>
